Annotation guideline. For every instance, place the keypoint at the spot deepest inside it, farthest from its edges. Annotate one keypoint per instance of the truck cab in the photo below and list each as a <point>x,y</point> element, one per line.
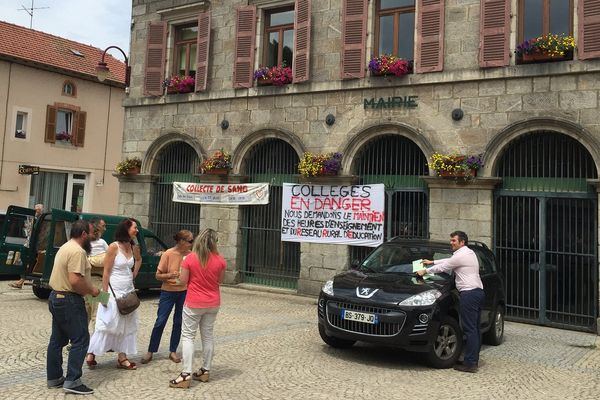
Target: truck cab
<point>51,230</point>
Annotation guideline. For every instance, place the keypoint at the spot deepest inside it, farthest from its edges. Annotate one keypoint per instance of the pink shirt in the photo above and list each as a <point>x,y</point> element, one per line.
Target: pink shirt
<point>203,285</point>
<point>466,268</point>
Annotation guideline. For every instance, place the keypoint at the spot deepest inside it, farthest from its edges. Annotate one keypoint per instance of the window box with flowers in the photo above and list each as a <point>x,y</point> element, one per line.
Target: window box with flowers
<point>388,64</point>
<point>546,48</point>
<point>327,164</point>
<point>456,165</point>
<point>179,84</point>
<point>218,164</point>
<point>129,166</point>
<point>276,76</point>
<point>64,137</point>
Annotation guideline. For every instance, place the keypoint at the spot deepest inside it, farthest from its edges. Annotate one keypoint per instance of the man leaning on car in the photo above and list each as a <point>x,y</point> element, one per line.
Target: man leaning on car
<point>465,265</point>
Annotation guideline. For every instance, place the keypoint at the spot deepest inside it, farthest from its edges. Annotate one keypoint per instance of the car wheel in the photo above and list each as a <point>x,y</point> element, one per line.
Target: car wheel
<point>40,292</point>
<point>333,341</point>
<point>447,345</point>
<point>495,335</point>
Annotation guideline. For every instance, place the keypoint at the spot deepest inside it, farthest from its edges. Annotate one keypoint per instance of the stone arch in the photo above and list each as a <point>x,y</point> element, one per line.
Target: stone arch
<point>496,147</point>
<point>259,135</point>
<point>362,135</point>
<point>152,156</point>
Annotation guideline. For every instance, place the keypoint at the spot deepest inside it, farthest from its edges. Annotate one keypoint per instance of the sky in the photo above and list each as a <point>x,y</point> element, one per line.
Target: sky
<point>100,23</point>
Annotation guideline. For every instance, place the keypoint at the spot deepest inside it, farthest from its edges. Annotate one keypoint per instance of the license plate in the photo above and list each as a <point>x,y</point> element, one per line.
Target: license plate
<point>360,317</point>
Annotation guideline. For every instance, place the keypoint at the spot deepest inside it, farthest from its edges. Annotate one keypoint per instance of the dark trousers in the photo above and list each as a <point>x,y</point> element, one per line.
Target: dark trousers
<point>471,302</point>
<point>165,305</point>
<point>69,323</point>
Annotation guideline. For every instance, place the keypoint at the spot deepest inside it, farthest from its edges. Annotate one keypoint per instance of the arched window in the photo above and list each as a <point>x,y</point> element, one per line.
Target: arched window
<point>69,89</point>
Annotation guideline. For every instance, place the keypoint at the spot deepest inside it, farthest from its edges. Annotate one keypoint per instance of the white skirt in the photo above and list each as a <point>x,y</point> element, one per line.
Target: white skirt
<point>114,331</point>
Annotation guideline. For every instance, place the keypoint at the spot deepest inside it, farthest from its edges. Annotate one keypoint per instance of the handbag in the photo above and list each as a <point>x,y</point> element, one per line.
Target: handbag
<point>126,304</point>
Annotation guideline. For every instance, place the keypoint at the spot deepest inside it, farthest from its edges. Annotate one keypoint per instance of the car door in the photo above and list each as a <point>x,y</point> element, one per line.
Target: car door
<point>14,240</point>
<point>58,234</point>
<point>151,248</point>
<point>489,285</point>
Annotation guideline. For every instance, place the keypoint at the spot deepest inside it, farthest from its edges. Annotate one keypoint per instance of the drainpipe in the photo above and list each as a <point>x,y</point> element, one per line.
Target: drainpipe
<point>106,136</point>
<point>5,122</point>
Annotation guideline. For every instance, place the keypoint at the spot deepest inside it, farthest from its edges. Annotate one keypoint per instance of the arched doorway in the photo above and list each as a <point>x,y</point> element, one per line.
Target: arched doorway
<point>268,260</point>
<point>545,230</point>
<point>176,162</point>
<point>397,162</point>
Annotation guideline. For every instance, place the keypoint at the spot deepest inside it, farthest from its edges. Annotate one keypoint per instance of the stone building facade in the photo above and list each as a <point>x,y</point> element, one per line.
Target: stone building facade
<point>537,126</point>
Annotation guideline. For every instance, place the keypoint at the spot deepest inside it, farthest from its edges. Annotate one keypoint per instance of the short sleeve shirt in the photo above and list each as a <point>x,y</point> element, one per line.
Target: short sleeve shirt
<point>71,257</point>
<point>203,286</point>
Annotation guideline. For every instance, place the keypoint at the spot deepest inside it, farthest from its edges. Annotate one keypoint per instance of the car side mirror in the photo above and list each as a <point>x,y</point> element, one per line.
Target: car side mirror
<point>354,264</point>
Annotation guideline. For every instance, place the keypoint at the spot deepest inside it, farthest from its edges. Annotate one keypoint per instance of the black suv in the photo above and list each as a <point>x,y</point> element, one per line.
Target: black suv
<point>383,301</point>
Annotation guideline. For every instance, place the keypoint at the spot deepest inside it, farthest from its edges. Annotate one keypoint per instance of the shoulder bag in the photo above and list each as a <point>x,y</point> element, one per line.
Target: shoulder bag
<point>126,304</point>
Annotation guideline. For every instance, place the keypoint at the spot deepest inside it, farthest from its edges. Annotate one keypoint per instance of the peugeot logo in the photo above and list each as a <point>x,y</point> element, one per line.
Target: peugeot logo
<point>365,292</point>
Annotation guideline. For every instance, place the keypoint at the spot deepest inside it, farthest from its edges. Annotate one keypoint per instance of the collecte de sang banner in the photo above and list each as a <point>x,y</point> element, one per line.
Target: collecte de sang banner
<point>225,194</point>
<point>351,215</point>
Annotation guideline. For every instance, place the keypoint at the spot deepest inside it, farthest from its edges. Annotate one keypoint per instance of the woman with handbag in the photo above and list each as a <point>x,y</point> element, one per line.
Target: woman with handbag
<point>117,324</point>
<point>172,294</point>
<point>202,271</point>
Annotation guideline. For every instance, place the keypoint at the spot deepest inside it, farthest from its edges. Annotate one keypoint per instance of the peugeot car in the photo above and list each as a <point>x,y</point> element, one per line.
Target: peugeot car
<point>383,301</point>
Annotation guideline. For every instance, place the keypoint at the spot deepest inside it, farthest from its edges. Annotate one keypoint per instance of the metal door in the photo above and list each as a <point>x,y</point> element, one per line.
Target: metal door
<point>397,162</point>
<point>177,162</point>
<point>545,231</point>
<point>268,260</point>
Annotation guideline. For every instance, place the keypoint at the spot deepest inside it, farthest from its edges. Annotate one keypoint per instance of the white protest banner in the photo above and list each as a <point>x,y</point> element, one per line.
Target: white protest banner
<point>351,215</point>
<point>225,194</point>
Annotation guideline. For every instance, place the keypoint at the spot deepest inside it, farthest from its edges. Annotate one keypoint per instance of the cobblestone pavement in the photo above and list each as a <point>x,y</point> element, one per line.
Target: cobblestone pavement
<point>268,347</point>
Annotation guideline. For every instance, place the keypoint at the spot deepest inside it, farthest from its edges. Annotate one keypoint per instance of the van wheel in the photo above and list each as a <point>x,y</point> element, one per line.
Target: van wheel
<point>495,335</point>
<point>333,341</point>
<point>447,345</point>
<point>40,292</point>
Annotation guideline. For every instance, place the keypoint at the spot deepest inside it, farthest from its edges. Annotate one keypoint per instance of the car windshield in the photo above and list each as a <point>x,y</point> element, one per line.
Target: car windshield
<point>399,259</point>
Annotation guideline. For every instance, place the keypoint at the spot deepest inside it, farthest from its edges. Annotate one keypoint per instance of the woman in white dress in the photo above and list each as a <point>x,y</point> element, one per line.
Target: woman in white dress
<point>116,332</point>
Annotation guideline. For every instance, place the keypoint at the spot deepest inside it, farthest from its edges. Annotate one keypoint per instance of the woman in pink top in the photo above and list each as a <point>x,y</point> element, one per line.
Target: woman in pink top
<point>202,270</point>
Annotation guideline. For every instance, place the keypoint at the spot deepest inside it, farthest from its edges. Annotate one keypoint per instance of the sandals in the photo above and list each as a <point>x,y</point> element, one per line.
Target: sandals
<point>183,381</point>
<point>173,357</point>
<point>126,364</point>
<point>15,285</point>
<point>91,363</point>
<point>201,375</point>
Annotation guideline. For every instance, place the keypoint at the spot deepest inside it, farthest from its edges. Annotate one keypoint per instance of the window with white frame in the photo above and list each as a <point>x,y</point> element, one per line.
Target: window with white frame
<point>21,126</point>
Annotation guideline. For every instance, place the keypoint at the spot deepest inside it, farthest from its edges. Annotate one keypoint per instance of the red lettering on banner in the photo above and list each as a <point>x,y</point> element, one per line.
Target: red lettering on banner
<point>344,203</point>
<point>299,203</point>
<point>199,188</point>
<point>237,189</point>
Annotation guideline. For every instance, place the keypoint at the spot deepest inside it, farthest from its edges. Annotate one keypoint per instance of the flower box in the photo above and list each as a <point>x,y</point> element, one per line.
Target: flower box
<point>133,171</point>
<point>217,171</point>
<point>218,164</point>
<point>471,173</point>
<point>129,166</point>
<point>277,76</point>
<point>388,65</point>
<point>455,165</point>
<point>546,48</point>
<point>179,84</point>
<point>537,57</point>
<point>328,164</point>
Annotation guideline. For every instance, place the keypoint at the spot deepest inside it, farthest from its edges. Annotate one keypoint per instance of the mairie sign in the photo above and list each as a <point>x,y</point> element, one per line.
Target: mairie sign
<point>391,102</point>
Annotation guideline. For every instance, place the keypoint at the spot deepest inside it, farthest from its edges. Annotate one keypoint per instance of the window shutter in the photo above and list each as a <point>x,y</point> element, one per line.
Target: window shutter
<point>50,136</point>
<point>245,35</point>
<point>203,50</point>
<point>588,40</point>
<point>301,68</point>
<point>155,58</point>
<point>493,33</point>
<point>430,36</point>
<point>79,129</point>
<point>354,33</point>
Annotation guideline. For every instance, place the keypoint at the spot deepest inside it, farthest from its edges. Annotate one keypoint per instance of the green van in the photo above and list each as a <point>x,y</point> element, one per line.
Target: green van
<point>50,231</point>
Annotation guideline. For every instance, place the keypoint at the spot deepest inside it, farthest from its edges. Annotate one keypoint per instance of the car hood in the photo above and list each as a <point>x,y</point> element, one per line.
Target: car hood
<point>383,288</point>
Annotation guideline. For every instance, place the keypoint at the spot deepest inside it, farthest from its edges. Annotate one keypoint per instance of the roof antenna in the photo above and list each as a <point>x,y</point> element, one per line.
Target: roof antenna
<point>30,12</point>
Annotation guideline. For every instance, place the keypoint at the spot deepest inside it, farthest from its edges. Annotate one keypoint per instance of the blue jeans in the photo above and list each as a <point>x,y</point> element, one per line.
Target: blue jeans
<point>69,323</point>
<point>165,305</point>
<point>471,302</point>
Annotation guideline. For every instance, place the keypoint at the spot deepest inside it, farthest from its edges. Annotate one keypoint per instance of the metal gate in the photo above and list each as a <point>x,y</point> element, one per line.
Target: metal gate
<point>397,162</point>
<point>546,231</point>
<point>268,260</point>
<point>177,162</point>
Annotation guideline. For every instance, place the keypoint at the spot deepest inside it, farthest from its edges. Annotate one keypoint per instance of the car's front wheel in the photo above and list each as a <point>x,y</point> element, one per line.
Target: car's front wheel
<point>447,345</point>
<point>333,341</point>
<point>495,335</point>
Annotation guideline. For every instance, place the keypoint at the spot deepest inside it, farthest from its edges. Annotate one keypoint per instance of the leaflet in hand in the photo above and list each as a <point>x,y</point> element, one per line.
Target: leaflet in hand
<point>417,265</point>
<point>102,298</point>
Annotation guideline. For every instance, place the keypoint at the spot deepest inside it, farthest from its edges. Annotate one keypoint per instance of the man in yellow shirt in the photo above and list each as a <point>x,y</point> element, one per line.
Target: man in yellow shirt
<point>70,281</point>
